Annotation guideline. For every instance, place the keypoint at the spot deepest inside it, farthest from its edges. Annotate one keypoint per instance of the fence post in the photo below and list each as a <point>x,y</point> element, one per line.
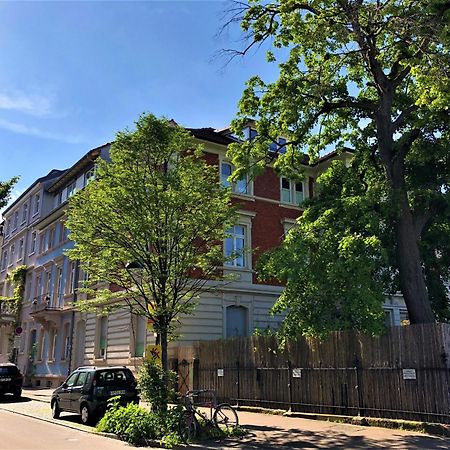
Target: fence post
<point>357,390</point>
<point>289,367</point>
<point>358,385</point>
<point>238,383</point>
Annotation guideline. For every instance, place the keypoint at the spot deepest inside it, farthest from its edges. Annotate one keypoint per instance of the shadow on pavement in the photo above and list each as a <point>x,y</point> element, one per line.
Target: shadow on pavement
<point>72,418</point>
<point>6,399</point>
<point>266,438</point>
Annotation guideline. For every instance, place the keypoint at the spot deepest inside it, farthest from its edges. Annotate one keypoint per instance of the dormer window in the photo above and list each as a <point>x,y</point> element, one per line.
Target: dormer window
<point>249,133</point>
<point>89,176</point>
<point>240,186</point>
<point>70,189</point>
<point>278,146</point>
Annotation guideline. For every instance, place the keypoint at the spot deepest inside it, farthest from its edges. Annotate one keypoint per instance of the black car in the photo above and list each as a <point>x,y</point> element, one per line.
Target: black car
<point>87,390</point>
<point>11,380</point>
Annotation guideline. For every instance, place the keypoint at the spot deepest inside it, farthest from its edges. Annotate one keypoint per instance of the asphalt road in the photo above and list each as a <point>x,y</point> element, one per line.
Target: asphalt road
<point>265,432</point>
<point>25,433</point>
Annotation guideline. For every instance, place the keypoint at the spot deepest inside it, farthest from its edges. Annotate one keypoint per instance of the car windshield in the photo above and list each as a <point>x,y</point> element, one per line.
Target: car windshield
<point>116,377</point>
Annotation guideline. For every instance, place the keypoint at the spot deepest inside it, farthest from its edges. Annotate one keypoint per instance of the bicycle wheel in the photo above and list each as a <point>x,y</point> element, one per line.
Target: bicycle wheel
<point>187,426</point>
<point>225,416</point>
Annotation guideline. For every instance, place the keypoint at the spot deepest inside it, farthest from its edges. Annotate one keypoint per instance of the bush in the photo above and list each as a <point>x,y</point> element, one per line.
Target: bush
<point>152,387</point>
<point>137,425</point>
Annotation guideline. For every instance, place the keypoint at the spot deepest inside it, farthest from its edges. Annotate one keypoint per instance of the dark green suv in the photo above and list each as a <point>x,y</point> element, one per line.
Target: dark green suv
<point>87,390</point>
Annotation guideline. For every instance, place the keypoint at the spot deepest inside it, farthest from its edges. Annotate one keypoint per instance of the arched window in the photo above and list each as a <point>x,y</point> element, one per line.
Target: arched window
<point>237,321</point>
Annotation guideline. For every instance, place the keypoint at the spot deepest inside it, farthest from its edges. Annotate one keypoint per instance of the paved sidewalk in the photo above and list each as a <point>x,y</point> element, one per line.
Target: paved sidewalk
<point>268,431</point>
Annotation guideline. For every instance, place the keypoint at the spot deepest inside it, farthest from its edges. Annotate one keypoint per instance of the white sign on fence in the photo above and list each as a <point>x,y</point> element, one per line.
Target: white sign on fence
<point>296,373</point>
<point>220,372</point>
<point>409,374</point>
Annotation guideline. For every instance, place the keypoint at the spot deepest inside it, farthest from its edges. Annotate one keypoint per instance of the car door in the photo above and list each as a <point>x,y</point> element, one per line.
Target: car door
<point>64,395</point>
<point>77,391</point>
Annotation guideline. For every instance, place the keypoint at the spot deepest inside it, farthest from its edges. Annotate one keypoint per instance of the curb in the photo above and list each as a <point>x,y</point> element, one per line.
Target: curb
<point>435,429</point>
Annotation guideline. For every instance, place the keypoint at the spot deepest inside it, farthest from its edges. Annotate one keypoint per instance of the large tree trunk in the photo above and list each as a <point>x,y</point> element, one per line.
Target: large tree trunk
<point>412,279</point>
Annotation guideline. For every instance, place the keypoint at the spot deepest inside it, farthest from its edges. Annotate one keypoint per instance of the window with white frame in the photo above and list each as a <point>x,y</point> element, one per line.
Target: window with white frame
<point>52,344</point>
<point>59,279</point>
<point>241,186</point>
<point>42,344</point>
<point>20,249</point>
<point>235,245</point>
<point>37,286</point>
<point>25,213</point>
<point>4,259</point>
<point>89,176</point>
<point>8,227</point>
<point>59,197</point>
<point>70,190</point>
<point>33,242</point>
<point>292,192</point>
<point>102,340</point>
<point>16,220</point>
<point>37,203</point>
<point>72,277</point>
<point>66,342</point>
<point>51,238</point>
<point>12,251</point>
<point>139,334</point>
<point>48,280</point>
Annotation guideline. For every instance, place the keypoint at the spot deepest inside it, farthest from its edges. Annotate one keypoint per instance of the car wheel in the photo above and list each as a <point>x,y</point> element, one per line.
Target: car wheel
<point>17,394</point>
<point>56,411</point>
<point>86,418</point>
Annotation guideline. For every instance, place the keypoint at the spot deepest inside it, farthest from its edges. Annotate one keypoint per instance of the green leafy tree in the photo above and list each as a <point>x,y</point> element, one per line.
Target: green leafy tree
<point>152,226</point>
<point>5,191</point>
<point>374,76</point>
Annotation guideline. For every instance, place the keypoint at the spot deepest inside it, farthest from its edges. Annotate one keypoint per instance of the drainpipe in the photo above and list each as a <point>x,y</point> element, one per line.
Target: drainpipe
<point>72,321</point>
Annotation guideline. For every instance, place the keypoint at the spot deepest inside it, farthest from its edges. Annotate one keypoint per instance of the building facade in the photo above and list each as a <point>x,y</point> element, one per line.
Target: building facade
<point>56,338</point>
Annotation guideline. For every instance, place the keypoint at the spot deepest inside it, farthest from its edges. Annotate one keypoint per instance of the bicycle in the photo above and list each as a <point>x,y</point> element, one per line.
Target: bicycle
<point>220,415</point>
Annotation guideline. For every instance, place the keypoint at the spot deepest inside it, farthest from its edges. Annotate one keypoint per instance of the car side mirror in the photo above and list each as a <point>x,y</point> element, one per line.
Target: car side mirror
<point>64,385</point>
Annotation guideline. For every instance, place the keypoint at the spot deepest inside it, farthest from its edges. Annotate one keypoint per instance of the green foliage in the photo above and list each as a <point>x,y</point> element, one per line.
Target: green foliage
<point>136,425</point>
<point>151,225</point>
<point>152,384</point>
<point>333,261</point>
<point>5,190</point>
<point>17,278</point>
<point>373,77</point>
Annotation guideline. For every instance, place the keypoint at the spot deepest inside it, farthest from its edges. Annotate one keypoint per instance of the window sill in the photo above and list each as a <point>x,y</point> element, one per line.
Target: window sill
<point>98,359</point>
<point>248,197</point>
<point>290,206</point>
<point>238,269</point>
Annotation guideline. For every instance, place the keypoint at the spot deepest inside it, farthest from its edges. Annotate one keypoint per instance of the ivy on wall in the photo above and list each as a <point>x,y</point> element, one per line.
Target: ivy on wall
<point>17,277</point>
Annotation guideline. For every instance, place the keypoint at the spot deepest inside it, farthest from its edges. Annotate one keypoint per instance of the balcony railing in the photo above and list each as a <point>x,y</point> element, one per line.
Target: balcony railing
<point>43,303</point>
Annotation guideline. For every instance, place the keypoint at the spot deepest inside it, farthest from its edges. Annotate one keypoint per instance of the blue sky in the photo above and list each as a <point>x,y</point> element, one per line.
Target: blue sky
<point>74,73</point>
